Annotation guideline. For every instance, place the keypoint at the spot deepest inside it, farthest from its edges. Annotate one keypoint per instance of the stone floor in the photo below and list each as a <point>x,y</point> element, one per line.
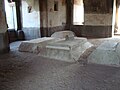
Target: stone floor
<point>26,71</point>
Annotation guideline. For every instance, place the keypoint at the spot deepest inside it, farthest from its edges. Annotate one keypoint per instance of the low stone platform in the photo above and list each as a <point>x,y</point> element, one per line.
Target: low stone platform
<point>61,45</point>
<point>66,50</point>
<point>31,45</point>
<point>108,53</point>
<point>38,45</point>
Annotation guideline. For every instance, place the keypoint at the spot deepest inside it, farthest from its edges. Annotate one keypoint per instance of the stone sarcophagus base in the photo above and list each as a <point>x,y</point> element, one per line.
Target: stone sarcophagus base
<point>61,46</point>
<point>66,50</point>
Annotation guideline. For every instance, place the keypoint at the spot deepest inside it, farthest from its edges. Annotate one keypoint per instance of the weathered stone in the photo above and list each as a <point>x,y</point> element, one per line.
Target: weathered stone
<point>66,50</point>
<point>62,34</point>
<point>61,45</point>
<point>31,45</point>
<point>107,53</point>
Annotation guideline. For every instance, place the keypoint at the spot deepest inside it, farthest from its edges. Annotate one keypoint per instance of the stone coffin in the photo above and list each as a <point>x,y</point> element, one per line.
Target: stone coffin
<point>108,53</point>
<point>66,50</point>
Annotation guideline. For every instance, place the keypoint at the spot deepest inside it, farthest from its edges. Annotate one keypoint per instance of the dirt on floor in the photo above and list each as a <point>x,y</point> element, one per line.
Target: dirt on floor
<point>27,71</point>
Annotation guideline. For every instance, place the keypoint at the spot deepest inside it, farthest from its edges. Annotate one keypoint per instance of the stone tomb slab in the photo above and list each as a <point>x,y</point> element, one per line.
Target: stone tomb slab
<point>66,50</point>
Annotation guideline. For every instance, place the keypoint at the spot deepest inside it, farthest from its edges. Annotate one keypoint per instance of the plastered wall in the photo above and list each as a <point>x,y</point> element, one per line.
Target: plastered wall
<point>98,12</point>
<point>52,20</point>
<point>56,18</point>
<point>98,19</point>
<point>31,19</point>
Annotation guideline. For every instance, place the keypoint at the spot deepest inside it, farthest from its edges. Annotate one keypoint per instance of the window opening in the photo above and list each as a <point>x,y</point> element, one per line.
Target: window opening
<point>10,9</point>
<point>78,12</point>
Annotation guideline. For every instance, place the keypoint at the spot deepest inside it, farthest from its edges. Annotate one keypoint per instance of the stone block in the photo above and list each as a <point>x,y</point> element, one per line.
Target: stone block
<point>66,50</point>
<point>31,45</point>
<point>107,53</point>
<point>61,46</point>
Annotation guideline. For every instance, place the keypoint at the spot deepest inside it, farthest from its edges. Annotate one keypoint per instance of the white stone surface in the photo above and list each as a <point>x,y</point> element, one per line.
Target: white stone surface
<point>57,46</point>
<point>31,45</point>
<point>62,34</point>
<point>66,50</point>
<point>56,18</point>
<point>38,45</point>
<point>108,53</point>
<point>34,16</point>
